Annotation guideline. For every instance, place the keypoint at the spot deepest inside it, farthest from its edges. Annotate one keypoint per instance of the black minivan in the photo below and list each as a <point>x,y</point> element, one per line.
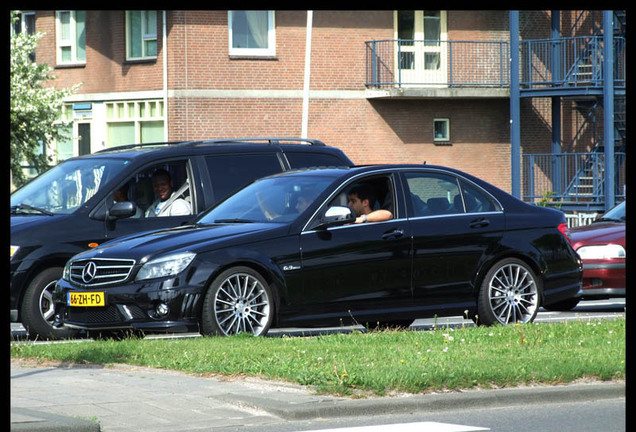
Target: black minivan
<point>88,200</point>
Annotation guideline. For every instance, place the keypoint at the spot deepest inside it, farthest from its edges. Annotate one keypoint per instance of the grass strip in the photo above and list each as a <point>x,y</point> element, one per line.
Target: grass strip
<point>378,362</point>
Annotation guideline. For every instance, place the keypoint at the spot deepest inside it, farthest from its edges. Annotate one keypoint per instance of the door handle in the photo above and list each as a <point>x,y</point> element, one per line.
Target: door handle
<point>479,223</point>
<point>393,234</point>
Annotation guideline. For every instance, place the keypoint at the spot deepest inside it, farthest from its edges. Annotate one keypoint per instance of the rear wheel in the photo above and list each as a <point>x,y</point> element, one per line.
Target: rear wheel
<point>238,301</point>
<point>509,294</point>
<point>38,309</point>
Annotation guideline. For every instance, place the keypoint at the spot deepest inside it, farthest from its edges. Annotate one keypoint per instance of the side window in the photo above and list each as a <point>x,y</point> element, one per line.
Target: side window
<point>475,200</point>
<point>309,159</point>
<point>229,173</point>
<point>433,194</point>
<point>160,190</point>
<point>71,37</point>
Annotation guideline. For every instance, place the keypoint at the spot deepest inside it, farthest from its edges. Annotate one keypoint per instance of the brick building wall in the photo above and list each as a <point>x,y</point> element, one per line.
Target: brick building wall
<point>212,94</point>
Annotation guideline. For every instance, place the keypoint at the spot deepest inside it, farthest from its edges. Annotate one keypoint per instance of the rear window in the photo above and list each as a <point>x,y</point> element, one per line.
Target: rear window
<point>231,172</point>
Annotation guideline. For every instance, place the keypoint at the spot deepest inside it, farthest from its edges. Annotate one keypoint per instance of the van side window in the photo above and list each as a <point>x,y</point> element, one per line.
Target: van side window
<point>139,189</point>
<point>307,159</point>
<point>231,172</point>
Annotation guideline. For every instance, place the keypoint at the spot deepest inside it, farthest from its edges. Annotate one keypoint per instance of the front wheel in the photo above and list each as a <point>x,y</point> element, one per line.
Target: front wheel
<point>38,309</point>
<point>509,294</point>
<point>238,301</point>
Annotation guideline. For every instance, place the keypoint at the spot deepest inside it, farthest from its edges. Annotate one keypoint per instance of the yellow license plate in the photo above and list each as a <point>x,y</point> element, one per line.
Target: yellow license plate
<point>83,299</point>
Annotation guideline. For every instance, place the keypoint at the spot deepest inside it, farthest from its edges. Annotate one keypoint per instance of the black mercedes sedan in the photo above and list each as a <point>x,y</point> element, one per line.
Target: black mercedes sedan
<point>328,246</point>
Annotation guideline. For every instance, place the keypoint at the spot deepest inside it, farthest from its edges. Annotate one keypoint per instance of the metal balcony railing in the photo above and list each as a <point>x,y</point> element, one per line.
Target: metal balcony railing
<point>570,178</point>
<point>568,62</point>
<point>565,63</point>
<point>437,63</point>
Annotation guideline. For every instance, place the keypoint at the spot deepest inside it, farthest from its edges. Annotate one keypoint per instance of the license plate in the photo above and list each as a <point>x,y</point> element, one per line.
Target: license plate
<point>83,299</point>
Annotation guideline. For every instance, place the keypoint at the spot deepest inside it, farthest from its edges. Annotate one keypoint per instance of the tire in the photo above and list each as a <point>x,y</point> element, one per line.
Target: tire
<point>510,293</point>
<point>38,309</point>
<point>238,301</point>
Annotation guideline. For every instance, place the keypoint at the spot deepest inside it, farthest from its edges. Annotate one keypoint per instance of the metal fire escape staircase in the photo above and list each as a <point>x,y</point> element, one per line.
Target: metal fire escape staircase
<point>582,82</point>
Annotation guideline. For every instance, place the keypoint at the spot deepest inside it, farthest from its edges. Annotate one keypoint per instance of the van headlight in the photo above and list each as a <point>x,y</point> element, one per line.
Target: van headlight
<point>14,249</point>
<point>166,265</point>
<point>607,251</point>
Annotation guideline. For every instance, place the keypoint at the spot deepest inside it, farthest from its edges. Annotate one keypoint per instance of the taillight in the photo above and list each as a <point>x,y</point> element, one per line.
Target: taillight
<point>563,229</point>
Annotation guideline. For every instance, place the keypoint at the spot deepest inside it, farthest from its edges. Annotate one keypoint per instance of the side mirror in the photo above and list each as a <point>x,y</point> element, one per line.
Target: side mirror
<point>337,215</point>
<point>121,210</point>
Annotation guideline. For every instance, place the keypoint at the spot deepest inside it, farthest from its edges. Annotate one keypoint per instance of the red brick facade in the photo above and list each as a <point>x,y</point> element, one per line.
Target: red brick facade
<point>211,94</point>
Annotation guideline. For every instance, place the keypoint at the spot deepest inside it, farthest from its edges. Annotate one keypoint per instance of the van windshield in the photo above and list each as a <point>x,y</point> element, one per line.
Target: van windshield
<point>65,187</point>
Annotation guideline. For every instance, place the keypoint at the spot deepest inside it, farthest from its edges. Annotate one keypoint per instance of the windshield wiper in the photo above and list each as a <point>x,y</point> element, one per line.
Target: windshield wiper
<point>17,208</point>
<point>233,221</point>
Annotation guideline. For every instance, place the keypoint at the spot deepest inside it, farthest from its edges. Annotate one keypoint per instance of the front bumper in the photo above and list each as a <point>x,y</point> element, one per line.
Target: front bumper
<point>153,306</point>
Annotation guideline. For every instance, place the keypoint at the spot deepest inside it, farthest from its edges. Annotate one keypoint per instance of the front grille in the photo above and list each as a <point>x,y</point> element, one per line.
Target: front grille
<point>109,315</point>
<point>100,271</point>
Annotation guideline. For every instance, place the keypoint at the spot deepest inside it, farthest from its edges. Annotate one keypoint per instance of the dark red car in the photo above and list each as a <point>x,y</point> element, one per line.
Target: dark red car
<point>601,246</point>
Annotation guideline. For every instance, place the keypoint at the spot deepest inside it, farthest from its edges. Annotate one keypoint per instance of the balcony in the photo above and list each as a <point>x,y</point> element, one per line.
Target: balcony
<point>572,181</point>
<point>571,66</point>
<point>437,68</point>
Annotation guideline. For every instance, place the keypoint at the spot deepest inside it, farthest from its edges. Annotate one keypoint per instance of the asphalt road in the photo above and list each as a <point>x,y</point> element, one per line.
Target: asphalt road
<point>600,309</point>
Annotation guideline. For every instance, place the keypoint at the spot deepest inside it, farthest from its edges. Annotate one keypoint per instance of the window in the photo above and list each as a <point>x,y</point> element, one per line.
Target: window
<point>133,122</point>
<point>231,172</point>
<point>141,35</point>
<point>307,159</point>
<point>251,33</point>
<point>434,194</point>
<point>441,130</point>
<point>476,200</point>
<point>71,37</point>
<point>25,23</point>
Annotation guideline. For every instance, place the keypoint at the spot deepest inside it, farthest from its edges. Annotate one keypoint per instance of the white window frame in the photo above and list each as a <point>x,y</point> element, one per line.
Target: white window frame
<point>447,136</point>
<point>136,112</point>
<point>145,37</point>
<point>72,41</point>
<point>270,51</point>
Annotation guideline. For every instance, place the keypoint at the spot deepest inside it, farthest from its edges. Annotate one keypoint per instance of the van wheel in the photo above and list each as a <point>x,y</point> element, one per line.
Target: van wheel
<point>238,301</point>
<point>38,308</point>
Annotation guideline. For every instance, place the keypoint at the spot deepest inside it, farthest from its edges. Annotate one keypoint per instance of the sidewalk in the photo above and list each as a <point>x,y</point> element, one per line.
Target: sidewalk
<point>126,399</point>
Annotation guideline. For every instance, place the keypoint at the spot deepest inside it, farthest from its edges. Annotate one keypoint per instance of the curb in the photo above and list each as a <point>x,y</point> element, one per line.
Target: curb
<point>430,402</point>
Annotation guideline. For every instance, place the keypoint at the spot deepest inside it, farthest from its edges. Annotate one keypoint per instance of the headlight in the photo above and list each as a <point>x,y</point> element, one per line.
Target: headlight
<point>167,265</point>
<point>601,252</point>
<point>14,249</point>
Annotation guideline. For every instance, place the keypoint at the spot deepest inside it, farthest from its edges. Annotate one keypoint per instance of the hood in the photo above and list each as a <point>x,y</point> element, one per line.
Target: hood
<point>191,238</point>
<point>19,222</point>
<point>598,233</point>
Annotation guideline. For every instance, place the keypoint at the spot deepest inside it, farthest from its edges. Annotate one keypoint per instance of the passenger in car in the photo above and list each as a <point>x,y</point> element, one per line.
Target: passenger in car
<point>121,195</point>
<point>166,204</point>
<point>361,199</point>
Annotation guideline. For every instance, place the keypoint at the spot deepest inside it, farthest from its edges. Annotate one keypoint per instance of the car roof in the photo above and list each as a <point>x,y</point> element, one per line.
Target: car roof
<point>221,145</point>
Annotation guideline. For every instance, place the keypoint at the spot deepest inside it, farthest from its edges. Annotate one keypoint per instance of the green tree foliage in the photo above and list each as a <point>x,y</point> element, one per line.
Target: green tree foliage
<point>35,107</point>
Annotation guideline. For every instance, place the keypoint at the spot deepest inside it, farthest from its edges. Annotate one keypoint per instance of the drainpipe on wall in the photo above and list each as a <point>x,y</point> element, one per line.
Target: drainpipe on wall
<point>305,117</point>
<point>165,77</point>
<point>515,117</point>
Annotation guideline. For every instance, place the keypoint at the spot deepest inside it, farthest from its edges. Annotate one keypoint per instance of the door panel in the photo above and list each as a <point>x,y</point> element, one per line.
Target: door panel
<point>455,226</point>
<point>358,270</point>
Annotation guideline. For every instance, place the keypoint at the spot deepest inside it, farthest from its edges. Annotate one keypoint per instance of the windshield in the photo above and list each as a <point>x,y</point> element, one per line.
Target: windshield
<point>615,214</point>
<point>65,187</point>
<point>273,199</point>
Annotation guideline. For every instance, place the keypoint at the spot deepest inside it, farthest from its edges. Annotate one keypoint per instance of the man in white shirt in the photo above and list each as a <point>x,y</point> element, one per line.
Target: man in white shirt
<point>164,205</point>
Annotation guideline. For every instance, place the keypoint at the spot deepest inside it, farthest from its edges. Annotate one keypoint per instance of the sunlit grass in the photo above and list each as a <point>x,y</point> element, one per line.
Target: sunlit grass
<point>382,362</point>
